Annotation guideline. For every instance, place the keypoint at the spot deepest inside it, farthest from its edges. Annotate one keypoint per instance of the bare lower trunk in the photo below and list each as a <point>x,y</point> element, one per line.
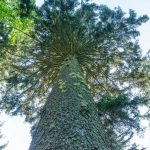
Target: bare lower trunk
<point>69,120</point>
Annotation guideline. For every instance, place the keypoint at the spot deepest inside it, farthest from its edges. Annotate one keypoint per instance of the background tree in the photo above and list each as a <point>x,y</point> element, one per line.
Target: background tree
<point>13,28</point>
<point>105,44</point>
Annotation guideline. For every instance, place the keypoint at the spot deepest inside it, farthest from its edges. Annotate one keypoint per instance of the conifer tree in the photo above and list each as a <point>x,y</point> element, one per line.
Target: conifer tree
<point>73,73</point>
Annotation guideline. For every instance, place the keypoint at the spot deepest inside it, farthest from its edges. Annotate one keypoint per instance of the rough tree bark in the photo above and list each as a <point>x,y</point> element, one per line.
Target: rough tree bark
<point>69,120</point>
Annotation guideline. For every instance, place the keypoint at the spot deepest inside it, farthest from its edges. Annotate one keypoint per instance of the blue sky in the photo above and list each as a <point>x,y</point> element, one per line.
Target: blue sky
<point>17,132</point>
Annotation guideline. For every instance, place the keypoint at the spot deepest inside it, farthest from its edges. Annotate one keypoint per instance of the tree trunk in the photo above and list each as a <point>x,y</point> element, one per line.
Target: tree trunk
<point>69,120</point>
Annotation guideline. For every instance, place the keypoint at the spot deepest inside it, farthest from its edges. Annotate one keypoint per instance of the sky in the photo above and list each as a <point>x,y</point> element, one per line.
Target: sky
<point>17,132</point>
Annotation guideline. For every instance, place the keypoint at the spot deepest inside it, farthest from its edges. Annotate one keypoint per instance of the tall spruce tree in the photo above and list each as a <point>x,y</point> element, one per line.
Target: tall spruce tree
<point>73,73</point>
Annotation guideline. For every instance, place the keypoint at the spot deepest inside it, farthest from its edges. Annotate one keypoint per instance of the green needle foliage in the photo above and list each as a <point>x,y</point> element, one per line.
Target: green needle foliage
<point>105,43</point>
<point>2,146</point>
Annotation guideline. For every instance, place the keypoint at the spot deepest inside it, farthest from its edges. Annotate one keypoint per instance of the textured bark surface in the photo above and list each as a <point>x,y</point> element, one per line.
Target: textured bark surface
<point>69,120</point>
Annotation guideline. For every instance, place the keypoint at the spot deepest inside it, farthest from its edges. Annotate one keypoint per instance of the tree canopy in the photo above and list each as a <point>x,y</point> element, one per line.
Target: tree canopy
<point>35,41</point>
